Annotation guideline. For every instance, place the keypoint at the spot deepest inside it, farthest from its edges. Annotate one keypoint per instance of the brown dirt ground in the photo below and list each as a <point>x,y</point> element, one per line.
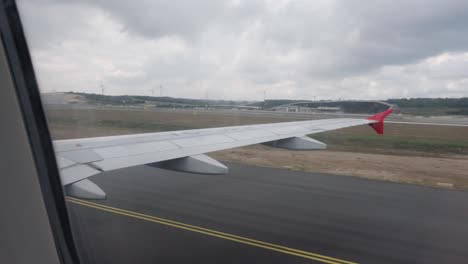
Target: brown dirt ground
<point>428,171</point>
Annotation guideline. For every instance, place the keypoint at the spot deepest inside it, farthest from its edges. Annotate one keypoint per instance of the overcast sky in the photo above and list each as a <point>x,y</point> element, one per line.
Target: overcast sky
<point>241,50</point>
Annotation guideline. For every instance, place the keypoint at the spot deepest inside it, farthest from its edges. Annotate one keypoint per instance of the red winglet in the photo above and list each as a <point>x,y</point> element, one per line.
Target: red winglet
<point>380,117</point>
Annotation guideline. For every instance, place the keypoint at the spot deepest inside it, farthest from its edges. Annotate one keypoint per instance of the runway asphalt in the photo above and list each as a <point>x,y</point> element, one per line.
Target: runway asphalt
<point>267,216</point>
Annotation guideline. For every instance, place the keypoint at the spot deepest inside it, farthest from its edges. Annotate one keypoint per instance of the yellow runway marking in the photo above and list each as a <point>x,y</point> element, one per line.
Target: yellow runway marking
<point>214,233</point>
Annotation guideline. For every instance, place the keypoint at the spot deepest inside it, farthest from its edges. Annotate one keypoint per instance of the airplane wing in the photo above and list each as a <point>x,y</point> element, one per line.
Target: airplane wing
<point>184,150</point>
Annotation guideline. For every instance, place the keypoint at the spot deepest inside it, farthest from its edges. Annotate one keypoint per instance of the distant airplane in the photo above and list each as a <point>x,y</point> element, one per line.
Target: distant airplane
<point>184,150</point>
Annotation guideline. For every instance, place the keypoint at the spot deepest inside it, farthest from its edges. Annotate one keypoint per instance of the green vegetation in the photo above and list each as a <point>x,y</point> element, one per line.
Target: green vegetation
<point>110,119</point>
<point>432,106</point>
<point>268,104</point>
<point>401,139</point>
<point>143,127</point>
<point>431,102</point>
<point>346,106</point>
<point>414,106</point>
<point>391,144</point>
<point>165,101</point>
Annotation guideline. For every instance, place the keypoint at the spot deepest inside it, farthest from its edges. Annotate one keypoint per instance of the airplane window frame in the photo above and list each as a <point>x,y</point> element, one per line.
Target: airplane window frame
<point>34,119</point>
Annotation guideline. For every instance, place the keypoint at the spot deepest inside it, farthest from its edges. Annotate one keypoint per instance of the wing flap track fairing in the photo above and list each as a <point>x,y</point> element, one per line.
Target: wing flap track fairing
<point>201,164</point>
<point>297,143</point>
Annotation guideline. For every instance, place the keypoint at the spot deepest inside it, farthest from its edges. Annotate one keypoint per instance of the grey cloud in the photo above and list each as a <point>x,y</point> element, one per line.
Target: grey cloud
<point>157,18</point>
<point>354,36</point>
<point>307,48</point>
<point>337,38</point>
<point>48,23</point>
<point>402,32</point>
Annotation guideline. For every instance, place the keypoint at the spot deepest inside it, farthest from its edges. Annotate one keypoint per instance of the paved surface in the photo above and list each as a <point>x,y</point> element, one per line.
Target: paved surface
<point>345,218</point>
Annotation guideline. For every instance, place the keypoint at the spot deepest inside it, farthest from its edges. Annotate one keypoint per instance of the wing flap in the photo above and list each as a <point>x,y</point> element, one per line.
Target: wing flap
<point>76,173</point>
<point>252,134</point>
<point>81,155</point>
<point>135,149</point>
<point>202,141</point>
<point>63,162</point>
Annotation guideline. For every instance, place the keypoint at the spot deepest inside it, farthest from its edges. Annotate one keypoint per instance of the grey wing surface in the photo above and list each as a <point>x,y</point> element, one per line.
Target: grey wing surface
<point>183,150</point>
